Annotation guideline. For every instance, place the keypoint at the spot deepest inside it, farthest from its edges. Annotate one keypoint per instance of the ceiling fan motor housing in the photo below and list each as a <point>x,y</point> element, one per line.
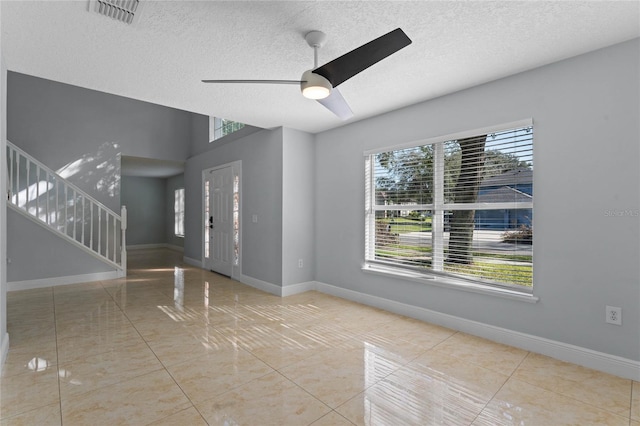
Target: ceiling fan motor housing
<point>314,86</point>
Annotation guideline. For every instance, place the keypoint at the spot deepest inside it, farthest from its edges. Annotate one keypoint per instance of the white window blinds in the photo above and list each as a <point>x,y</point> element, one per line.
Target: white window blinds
<point>460,207</point>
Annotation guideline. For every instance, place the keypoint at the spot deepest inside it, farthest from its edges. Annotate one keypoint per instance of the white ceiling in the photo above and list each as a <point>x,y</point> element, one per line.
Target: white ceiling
<point>175,44</point>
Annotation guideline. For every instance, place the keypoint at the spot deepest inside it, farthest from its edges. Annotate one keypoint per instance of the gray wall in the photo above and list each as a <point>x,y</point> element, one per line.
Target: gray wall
<point>261,156</point>
<point>60,124</point>
<point>37,253</point>
<point>171,184</point>
<point>199,133</point>
<point>298,207</point>
<point>85,132</point>
<point>145,198</point>
<point>585,113</point>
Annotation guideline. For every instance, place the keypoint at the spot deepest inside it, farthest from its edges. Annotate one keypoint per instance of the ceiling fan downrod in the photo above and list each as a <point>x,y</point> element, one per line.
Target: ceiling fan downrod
<point>315,86</point>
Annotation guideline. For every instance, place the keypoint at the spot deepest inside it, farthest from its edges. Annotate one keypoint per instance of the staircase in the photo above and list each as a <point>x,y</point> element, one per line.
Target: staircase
<point>48,199</point>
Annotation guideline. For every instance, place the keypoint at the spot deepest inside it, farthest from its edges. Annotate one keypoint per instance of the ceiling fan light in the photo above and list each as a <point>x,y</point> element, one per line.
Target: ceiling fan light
<point>316,92</point>
<point>314,86</point>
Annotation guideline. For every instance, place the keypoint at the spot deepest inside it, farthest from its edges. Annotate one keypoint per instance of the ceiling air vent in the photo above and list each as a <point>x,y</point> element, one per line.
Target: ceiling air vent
<point>126,11</point>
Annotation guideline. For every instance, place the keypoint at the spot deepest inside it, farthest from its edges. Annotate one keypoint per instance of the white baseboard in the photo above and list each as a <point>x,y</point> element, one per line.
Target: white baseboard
<point>193,262</point>
<point>607,363</point>
<point>72,279</point>
<point>144,246</point>
<point>260,285</point>
<point>276,289</point>
<point>155,246</point>
<point>292,289</point>
<point>4,348</point>
<point>175,248</point>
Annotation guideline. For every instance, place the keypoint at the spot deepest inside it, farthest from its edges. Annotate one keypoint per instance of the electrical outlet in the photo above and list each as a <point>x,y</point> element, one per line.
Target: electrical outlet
<point>300,263</point>
<point>613,315</point>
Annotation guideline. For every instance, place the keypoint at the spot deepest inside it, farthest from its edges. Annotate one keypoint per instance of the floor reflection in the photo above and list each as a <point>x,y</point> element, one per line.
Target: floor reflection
<point>176,343</point>
<point>38,364</point>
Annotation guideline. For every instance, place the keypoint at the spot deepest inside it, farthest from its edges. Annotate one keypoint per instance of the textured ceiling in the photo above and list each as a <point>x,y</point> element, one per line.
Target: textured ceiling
<point>175,44</point>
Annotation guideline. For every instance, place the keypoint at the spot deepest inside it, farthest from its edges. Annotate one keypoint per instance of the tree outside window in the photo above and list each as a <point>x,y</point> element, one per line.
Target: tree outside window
<point>455,207</point>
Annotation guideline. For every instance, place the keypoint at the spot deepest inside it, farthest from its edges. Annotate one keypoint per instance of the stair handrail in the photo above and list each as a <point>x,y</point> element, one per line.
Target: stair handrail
<point>57,176</point>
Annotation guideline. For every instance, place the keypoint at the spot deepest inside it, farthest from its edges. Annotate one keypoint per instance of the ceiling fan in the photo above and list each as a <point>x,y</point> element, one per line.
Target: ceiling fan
<point>320,83</point>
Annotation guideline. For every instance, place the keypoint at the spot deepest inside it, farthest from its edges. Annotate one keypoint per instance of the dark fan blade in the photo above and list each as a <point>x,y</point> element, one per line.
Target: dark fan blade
<point>255,81</point>
<point>337,105</point>
<point>346,66</point>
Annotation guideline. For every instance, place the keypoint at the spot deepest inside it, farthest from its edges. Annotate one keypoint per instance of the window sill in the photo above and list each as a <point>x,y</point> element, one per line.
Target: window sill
<point>178,236</point>
<point>448,282</point>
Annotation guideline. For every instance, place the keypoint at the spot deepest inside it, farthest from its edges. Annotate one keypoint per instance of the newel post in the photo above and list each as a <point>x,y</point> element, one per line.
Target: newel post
<point>123,247</point>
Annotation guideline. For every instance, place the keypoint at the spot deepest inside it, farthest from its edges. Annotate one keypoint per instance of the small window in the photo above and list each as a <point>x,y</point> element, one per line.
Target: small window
<point>178,209</point>
<point>458,206</point>
<point>220,127</point>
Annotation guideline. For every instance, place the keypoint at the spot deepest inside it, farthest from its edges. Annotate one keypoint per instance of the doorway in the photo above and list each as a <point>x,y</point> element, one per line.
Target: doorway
<point>221,202</point>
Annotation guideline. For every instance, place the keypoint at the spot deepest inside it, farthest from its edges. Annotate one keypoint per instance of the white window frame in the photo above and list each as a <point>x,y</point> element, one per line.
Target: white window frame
<point>438,207</point>
<point>178,212</point>
<point>216,128</point>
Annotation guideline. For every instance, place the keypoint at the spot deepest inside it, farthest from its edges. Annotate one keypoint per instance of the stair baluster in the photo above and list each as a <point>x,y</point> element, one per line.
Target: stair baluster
<point>26,197</point>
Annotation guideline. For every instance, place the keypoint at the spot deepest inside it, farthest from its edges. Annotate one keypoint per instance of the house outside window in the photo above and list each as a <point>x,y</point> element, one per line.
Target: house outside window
<point>178,209</point>
<point>220,127</point>
<point>458,207</point>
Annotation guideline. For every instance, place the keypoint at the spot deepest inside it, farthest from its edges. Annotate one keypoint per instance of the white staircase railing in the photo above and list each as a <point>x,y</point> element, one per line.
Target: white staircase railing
<point>49,199</point>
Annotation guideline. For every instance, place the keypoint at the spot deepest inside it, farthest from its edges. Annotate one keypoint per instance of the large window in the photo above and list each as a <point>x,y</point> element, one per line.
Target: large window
<point>178,210</point>
<point>459,206</point>
<point>219,127</point>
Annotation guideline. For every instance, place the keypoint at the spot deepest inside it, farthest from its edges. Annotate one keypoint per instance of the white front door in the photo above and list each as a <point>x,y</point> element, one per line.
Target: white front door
<point>218,197</point>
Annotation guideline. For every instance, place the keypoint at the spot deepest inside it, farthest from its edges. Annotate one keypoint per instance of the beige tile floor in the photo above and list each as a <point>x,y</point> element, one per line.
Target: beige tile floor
<point>176,345</point>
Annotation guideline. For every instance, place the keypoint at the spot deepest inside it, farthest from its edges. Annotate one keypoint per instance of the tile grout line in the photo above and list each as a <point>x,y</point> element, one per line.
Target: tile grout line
<point>574,399</point>
<point>333,409</point>
<point>568,396</point>
<point>444,340</point>
<point>184,393</point>
<point>308,393</point>
<point>277,370</point>
<point>335,412</point>
<point>19,374</point>
<point>631,404</point>
<point>380,380</point>
<point>156,356</point>
<point>502,386</point>
<point>55,330</point>
<point>228,390</point>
